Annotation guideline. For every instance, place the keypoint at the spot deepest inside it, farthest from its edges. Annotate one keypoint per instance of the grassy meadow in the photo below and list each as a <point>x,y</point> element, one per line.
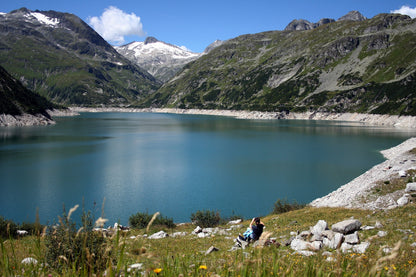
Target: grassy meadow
<point>113,255</point>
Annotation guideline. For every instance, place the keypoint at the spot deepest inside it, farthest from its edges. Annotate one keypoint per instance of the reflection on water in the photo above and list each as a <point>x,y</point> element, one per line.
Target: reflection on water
<point>178,164</point>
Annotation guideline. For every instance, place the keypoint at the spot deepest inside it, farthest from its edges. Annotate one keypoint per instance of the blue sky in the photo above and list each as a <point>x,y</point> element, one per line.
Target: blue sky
<point>196,24</point>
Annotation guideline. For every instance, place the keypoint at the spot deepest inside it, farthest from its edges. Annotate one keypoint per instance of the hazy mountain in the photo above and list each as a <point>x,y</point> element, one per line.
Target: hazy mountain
<point>60,57</point>
<point>161,59</point>
<point>350,65</point>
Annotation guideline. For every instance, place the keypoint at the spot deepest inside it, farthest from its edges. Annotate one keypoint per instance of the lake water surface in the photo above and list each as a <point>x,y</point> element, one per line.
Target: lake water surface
<point>179,164</point>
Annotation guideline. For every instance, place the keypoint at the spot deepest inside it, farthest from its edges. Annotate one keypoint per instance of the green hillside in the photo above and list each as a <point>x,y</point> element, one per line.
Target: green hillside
<point>344,66</point>
<point>15,99</point>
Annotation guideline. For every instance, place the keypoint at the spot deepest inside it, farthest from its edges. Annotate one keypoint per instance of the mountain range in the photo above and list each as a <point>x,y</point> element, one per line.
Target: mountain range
<point>60,57</point>
<point>352,64</point>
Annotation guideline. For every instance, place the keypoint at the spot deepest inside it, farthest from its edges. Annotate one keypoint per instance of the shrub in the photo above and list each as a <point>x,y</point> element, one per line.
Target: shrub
<point>7,228</point>
<point>81,249</point>
<point>141,220</point>
<point>206,218</point>
<point>283,206</point>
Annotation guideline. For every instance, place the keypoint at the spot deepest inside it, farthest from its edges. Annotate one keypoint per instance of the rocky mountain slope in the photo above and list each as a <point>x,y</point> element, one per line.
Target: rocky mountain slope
<point>351,65</point>
<point>16,100</point>
<point>160,59</point>
<point>60,57</point>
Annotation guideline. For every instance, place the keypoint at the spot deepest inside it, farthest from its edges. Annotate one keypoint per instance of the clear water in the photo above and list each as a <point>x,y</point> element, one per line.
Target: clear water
<point>179,164</point>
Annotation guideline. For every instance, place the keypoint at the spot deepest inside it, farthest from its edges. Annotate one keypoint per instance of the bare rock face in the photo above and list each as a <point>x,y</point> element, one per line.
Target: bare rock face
<point>299,25</point>
<point>353,16</point>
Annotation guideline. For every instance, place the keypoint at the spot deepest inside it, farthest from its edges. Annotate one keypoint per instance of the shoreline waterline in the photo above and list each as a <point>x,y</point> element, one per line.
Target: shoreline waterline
<point>365,119</point>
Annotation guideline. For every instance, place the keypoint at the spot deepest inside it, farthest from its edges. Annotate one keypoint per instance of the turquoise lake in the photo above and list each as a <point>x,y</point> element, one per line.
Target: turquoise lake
<point>179,164</point>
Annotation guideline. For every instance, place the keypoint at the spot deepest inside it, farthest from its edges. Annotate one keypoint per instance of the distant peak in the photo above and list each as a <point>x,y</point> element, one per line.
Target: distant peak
<point>353,16</point>
<point>150,40</point>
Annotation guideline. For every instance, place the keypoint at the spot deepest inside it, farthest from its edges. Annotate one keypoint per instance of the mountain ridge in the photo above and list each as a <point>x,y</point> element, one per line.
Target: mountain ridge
<point>342,66</point>
<point>62,58</point>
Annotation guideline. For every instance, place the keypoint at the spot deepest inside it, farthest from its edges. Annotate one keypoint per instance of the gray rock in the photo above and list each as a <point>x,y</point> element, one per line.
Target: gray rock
<point>321,226</point>
<point>336,241</point>
<point>361,248</point>
<point>234,222</point>
<point>352,238</point>
<point>305,253</point>
<point>316,245</point>
<point>404,200</point>
<point>298,245</point>
<point>381,234</point>
<point>328,234</point>
<point>159,235</point>
<point>346,226</point>
<point>410,187</point>
<point>197,230</point>
<point>346,247</point>
<point>304,234</point>
<point>378,225</point>
<point>178,234</point>
<point>353,16</point>
<point>203,235</point>
<point>211,249</point>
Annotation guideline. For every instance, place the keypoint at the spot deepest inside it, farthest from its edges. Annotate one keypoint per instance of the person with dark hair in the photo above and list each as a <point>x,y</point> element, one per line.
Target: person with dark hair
<point>253,233</point>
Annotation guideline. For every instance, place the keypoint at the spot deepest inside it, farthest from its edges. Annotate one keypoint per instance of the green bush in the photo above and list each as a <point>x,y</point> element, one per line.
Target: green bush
<point>283,206</point>
<point>7,228</point>
<point>206,218</point>
<point>141,220</point>
<point>83,249</point>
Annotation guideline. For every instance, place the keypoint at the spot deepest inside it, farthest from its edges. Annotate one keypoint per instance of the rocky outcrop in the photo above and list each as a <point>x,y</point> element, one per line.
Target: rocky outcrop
<point>342,235</point>
<point>353,16</point>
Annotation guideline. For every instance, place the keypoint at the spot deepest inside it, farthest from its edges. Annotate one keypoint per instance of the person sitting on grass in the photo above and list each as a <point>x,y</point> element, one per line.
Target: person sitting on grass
<point>254,232</point>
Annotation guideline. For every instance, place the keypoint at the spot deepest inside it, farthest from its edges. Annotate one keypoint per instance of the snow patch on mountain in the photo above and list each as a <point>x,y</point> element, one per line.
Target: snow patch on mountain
<point>162,60</point>
<point>43,18</point>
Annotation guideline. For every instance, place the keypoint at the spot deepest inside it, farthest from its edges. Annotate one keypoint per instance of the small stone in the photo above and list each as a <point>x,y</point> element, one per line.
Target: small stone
<point>197,230</point>
<point>378,225</point>
<point>159,235</point>
<point>137,266</point>
<point>234,222</point>
<point>404,200</point>
<point>410,187</point>
<point>305,253</point>
<point>352,238</point>
<point>298,244</point>
<point>381,234</point>
<point>316,245</point>
<point>211,249</point>
<point>29,261</point>
<point>361,248</point>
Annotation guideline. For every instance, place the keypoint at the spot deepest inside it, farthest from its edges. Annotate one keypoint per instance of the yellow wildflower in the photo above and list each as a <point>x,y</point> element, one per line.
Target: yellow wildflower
<point>203,267</point>
<point>157,270</point>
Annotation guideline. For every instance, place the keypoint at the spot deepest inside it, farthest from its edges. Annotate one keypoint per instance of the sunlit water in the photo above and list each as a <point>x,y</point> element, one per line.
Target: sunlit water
<point>178,164</point>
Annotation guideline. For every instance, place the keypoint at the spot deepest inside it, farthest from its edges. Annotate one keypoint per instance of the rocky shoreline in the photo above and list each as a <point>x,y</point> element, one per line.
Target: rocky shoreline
<point>358,192</point>
<point>7,120</point>
<point>365,119</point>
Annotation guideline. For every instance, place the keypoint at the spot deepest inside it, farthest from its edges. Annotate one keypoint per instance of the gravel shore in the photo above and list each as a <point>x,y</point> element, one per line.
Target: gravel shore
<point>365,119</point>
<point>357,193</point>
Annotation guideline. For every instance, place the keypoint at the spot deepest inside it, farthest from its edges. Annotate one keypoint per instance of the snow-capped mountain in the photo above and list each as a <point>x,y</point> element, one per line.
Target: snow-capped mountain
<point>162,60</point>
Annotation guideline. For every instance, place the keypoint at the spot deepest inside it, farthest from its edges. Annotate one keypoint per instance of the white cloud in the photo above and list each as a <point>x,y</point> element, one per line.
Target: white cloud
<point>406,10</point>
<point>114,24</point>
